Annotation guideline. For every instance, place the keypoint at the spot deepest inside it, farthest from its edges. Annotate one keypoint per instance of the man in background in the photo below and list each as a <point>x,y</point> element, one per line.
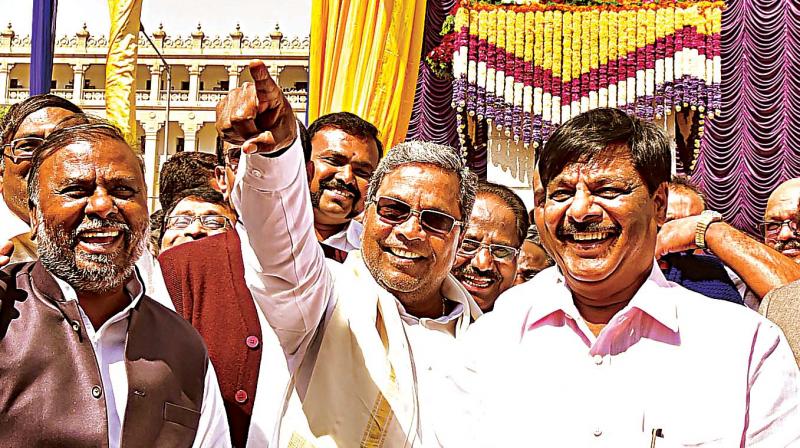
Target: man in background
<point>533,257</point>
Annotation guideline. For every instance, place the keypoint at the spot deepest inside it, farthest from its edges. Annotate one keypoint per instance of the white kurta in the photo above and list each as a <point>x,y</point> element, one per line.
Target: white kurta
<point>299,292</point>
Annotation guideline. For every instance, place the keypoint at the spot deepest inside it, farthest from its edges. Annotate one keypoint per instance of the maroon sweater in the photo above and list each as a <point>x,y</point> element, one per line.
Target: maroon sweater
<point>205,280</point>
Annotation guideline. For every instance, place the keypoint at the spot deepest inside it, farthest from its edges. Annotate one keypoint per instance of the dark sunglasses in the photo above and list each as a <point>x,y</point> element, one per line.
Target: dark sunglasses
<point>394,211</point>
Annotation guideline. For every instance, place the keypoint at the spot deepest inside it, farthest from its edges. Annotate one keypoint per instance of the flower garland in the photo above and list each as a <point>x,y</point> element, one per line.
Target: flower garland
<point>527,68</point>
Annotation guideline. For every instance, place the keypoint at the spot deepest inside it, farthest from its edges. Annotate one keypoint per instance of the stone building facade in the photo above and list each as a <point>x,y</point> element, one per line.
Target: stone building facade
<point>203,68</point>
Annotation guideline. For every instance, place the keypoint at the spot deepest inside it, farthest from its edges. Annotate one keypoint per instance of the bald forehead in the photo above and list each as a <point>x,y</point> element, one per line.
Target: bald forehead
<point>784,201</point>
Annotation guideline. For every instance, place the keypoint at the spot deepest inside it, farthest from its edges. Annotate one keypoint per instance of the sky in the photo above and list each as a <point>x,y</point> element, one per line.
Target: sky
<point>256,17</point>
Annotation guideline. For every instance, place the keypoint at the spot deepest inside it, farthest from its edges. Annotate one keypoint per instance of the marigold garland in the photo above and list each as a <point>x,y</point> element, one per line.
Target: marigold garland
<point>526,68</point>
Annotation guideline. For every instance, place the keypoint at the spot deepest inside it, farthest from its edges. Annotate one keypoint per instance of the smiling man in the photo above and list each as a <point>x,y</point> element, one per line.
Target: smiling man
<point>119,369</point>
<point>365,338</point>
<point>195,214</point>
<point>344,152</point>
<point>486,263</point>
<point>603,351</point>
<point>780,227</point>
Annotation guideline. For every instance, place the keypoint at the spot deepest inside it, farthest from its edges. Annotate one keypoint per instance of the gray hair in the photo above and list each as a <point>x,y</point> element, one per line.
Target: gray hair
<point>418,152</point>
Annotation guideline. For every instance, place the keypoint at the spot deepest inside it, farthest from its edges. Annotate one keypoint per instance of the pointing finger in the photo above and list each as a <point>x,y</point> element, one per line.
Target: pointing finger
<point>266,88</point>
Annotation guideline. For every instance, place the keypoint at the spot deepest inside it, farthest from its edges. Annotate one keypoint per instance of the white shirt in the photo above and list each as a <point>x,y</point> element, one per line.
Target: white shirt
<point>703,372</point>
<point>109,349</point>
<point>291,281</point>
<point>347,239</point>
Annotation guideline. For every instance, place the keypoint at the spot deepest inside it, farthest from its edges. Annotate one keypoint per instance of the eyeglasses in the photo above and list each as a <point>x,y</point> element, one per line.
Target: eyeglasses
<point>499,252</point>
<point>208,222</point>
<point>22,148</point>
<point>395,211</point>
<point>772,228</point>
<point>232,157</point>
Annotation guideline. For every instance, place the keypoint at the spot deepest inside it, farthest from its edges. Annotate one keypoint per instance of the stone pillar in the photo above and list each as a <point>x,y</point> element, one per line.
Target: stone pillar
<point>82,38</point>
<point>155,82</point>
<point>233,76</point>
<point>275,38</point>
<point>151,159</point>
<point>5,71</point>
<point>197,38</point>
<point>7,38</point>
<point>190,129</point>
<point>236,38</point>
<point>275,72</point>
<point>194,81</point>
<point>78,70</point>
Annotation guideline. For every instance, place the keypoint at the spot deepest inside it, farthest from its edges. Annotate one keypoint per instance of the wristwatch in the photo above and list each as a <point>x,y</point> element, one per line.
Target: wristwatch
<point>706,218</point>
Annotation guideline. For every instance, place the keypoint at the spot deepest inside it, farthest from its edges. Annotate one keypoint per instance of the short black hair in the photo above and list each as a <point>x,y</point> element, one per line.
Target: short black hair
<point>18,112</point>
<point>348,122</point>
<point>72,129</point>
<point>182,171</point>
<point>682,182</point>
<point>512,200</point>
<point>202,193</point>
<point>597,132</point>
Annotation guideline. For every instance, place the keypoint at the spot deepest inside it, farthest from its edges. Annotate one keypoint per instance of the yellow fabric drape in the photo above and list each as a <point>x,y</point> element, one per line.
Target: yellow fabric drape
<point>365,59</point>
<point>121,65</point>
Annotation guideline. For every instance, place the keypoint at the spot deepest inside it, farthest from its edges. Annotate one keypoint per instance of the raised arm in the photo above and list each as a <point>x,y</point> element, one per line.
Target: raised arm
<point>760,267</point>
<point>284,265</point>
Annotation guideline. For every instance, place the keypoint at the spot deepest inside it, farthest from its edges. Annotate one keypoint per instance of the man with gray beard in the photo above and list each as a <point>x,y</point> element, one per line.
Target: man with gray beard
<point>120,369</point>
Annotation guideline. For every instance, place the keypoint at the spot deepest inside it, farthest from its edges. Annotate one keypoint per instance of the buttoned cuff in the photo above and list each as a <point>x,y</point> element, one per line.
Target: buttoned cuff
<point>272,172</point>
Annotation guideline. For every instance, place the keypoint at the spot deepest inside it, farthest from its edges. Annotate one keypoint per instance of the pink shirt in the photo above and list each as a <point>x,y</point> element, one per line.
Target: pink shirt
<point>701,372</point>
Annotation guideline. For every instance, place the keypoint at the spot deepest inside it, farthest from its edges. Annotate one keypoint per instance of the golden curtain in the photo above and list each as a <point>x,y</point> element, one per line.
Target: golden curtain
<point>365,59</point>
<point>121,65</point>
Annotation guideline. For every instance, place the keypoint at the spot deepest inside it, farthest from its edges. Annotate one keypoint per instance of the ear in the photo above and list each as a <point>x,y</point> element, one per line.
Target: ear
<point>310,170</point>
<point>34,218</point>
<point>222,180</point>
<point>660,202</point>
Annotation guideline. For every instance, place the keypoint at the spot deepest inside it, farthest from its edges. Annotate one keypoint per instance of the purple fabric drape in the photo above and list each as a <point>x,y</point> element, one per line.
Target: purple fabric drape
<point>755,144</point>
<point>43,37</point>
<point>432,118</point>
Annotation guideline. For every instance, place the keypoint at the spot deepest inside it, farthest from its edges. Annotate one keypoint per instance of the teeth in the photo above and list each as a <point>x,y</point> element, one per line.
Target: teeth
<point>477,282</point>
<point>590,236</point>
<point>404,253</point>
<point>91,234</point>
<point>344,193</point>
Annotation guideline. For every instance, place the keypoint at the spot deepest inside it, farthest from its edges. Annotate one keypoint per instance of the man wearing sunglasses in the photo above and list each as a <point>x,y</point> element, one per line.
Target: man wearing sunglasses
<point>486,263</point>
<point>365,339</point>
<point>23,128</point>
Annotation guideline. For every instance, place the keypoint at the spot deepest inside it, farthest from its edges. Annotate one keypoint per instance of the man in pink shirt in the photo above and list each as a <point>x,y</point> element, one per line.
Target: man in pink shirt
<point>602,350</point>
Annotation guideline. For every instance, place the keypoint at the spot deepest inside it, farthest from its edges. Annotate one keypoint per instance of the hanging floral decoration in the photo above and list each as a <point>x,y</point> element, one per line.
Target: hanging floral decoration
<point>527,68</point>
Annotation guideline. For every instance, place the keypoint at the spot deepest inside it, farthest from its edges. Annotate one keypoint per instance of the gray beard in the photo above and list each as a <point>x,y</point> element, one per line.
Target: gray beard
<point>98,273</point>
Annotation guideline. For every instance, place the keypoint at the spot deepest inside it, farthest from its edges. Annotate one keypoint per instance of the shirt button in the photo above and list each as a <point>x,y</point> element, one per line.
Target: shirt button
<point>598,359</point>
<point>256,173</point>
<point>97,391</point>
<point>76,326</point>
<point>252,342</point>
<point>598,432</point>
<point>240,396</point>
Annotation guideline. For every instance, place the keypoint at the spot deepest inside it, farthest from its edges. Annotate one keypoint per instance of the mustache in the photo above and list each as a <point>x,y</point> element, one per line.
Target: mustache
<point>468,269</point>
<point>338,184</point>
<point>593,227</point>
<point>788,244</point>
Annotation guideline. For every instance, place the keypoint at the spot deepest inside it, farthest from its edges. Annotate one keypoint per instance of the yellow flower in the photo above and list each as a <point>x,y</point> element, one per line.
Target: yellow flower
<point>519,50</point>
<point>612,19</point>
<point>532,43</point>
<point>586,33</point>
<point>603,38</point>
<point>566,62</point>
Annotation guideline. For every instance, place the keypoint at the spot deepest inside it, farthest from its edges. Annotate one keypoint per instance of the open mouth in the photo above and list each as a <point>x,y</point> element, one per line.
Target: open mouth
<point>99,241</point>
<point>473,282</point>
<point>340,194</point>
<point>404,254</point>
<point>590,241</point>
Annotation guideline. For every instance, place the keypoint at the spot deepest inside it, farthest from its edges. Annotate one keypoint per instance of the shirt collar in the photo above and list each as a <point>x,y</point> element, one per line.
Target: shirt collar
<point>134,288</point>
<point>347,239</point>
<point>12,224</point>
<point>650,298</point>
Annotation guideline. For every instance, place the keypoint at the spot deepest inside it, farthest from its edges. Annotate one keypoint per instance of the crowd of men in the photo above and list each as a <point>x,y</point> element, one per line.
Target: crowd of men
<point>307,287</point>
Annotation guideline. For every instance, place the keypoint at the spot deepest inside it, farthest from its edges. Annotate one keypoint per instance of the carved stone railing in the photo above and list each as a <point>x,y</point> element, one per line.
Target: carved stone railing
<point>15,95</point>
<point>94,95</point>
<point>63,93</point>
<point>211,96</point>
<point>298,98</point>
